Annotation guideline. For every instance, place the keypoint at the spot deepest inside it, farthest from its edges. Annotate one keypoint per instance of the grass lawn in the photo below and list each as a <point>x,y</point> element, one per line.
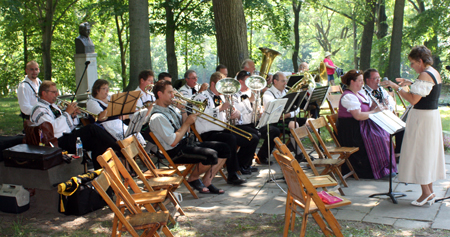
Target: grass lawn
<point>10,121</point>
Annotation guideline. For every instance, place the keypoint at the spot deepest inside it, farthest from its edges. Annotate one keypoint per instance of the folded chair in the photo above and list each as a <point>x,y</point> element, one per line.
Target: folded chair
<point>117,172</point>
<point>188,167</point>
<point>330,166</point>
<point>302,193</point>
<point>343,152</point>
<point>149,222</point>
<point>332,119</point>
<point>132,149</point>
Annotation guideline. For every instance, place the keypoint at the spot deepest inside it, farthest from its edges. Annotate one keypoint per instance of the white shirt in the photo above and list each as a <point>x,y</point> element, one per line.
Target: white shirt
<point>27,97</point>
<point>186,90</point>
<point>41,112</point>
<point>202,125</point>
<point>273,93</point>
<point>244,106</point>
<point>161,126</point>
<point>386,96</point>
<point>145,97</point>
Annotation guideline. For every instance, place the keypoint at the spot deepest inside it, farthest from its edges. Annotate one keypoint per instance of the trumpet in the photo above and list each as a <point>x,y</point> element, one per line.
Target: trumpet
<point>202,106</point>
<point>84,111</point>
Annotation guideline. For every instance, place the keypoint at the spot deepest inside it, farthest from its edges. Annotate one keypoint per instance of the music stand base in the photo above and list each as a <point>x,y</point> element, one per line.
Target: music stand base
<point>442,199</point>
<point>391,195</point>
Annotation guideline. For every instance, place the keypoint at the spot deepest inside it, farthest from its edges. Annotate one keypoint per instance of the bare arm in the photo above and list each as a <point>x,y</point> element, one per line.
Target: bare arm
<point>358,115</point>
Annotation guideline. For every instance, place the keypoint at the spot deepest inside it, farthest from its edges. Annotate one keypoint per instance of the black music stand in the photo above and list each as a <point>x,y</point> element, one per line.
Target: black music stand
<point>294,79</point>
<point>271,115</point>
<point>391,124</point>
<point>294,101</point>
<point>123,103</point>
<point>318,95</point>
<point>136,122</point>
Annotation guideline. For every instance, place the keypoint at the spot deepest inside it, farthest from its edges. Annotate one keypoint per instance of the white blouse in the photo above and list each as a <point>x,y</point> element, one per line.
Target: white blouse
<point>422,88</point>
<point>351,101</point>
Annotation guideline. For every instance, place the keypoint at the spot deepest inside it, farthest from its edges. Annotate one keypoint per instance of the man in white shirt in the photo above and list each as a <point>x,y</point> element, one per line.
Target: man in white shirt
<point>372,85</point>
<point>244,102</point>
<point>191,88</point>
<point>217,107</point>
<point>222,69</point>
<point>93,137</point>
<point>147,98</point>
<point>27,92</point>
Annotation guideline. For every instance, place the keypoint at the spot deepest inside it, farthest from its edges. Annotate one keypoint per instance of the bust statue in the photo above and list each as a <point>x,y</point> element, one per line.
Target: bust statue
<point>83,44</point>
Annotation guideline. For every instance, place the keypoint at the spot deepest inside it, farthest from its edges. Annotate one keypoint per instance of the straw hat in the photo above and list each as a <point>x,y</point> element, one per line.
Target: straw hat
<point>327,54</point>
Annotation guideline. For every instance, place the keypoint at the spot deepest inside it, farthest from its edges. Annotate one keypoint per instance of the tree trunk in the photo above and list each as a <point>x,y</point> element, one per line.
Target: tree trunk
<point>382,30</point>
<point>231,33</point>
<point>355,43</point>
<point>123,65</point>
<point>396,40</point>
<point>140,56</point>
<point>296,7</point>
<point>47,40</point>
<point>172,63</point>
<point>367,36</point>
<point>25,47</point>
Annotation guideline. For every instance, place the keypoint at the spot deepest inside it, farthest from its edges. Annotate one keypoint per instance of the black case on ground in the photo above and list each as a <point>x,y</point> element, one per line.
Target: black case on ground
<point>86,199</point>
<point>9,141</point>
<point>32,157</point>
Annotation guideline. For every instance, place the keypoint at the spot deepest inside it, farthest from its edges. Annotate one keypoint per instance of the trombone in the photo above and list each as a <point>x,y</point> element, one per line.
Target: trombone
<point>84,111</point>
<point>202,106</point>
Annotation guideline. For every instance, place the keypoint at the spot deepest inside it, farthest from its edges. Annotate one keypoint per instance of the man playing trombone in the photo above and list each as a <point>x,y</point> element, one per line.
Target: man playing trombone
<point>216,107</point>
<point>244,102</point>
<point>94,138</point>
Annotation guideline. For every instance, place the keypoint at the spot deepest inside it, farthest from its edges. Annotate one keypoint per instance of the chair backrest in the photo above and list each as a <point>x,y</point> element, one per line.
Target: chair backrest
<point>317,124</point>
<point>197,135</point>
<point>142,153</point>
<point>332,119</point>
<point>295,186</point>
<point>299,134</point>
<point>101,184</point>
<point>163,151</point>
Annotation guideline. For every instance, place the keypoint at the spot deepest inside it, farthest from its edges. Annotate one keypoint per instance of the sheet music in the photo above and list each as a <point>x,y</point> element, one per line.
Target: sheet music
<point>318,95</point>
<point>136,122</point>
<point>388,121</point>
<point>273,112</point>
<point>123,103</point>
<point>293,100</point>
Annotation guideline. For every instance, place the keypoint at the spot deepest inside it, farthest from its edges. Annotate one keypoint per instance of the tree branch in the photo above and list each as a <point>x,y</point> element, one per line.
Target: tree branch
<point>343,14</point>
<point>414,5</point>
<point>182,10</point>
<point>62,14</point>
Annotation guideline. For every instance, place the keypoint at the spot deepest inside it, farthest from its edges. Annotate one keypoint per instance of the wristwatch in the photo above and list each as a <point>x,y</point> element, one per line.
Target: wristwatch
<point>399,89</point>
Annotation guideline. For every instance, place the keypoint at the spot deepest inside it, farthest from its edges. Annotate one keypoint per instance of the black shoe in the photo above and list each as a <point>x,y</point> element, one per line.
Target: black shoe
<point>245,171</point>
<point>253,169</point>
<point>235,179</point>
<point>266,162</point>
<point>300,157</point>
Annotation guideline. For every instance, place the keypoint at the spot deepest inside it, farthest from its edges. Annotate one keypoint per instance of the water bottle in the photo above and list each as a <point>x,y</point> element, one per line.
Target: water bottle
<point>79,147</point>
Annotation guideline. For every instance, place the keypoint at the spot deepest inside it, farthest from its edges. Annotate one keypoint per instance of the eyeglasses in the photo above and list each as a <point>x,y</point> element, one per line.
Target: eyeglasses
<point>53,91</point>
<point>377,78</point>
<point>105,88</point>
<point>192,78</point>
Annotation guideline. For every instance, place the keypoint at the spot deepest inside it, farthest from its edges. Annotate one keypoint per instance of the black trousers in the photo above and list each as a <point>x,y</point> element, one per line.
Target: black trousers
<point>94,139</point>
<point>244,157</point>
<point>274,132</point>
<point>206,152</point>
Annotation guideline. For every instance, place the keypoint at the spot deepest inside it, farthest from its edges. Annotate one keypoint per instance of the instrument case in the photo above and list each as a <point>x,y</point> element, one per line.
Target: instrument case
<point>14,198</point>
<point>9,141</point>
<point>32,157</point>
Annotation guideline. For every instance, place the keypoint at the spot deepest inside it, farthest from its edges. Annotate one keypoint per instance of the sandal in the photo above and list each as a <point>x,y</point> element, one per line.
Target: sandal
<point>215,190</point>
<point>198,185</point>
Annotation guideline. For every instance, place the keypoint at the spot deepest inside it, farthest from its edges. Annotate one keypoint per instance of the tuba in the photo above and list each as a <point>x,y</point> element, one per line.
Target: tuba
<point>228,87</point>
<point>320,74</point>
<point>256,84</point>
<point>305,83</point>
<point>268,56</point>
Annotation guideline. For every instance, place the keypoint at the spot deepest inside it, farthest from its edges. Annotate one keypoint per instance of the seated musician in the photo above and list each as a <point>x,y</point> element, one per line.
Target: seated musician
<point>217,107</point>
<point>94,138</point>
<point>357,130</point>
<point>147,98</point>
<point>222,69</point>
<point>277,91</point>
<point>171,132</point>
<point>243,101</point>
<point>164,76</point>
<point>191,88</point>
<point>98,103</point>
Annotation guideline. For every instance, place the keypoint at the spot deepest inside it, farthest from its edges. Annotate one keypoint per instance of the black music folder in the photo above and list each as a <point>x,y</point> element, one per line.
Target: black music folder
<point>123,103</point>
<point>294,79</point>
<point>294,101</point>
<point>388,121</point>
<point>318,95</point>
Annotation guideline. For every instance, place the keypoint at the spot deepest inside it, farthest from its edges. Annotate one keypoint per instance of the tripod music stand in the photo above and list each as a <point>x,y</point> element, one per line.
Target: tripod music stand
<point>391,124</point>
<point>122,104</point>
<point>271,115</point>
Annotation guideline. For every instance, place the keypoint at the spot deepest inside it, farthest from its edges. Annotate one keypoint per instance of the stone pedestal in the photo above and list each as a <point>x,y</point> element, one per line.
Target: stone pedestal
<point>90,76</point>
<point>41,179</point>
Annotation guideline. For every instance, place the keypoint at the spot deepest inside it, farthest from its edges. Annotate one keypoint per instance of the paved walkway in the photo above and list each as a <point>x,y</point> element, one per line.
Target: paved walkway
<point>258,196</point>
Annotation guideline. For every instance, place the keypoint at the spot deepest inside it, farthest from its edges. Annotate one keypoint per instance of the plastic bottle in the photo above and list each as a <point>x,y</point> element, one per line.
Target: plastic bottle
<point>79,147</point>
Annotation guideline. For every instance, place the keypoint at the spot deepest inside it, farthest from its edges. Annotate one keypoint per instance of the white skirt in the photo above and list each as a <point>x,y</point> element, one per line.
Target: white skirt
<point>422,158</point>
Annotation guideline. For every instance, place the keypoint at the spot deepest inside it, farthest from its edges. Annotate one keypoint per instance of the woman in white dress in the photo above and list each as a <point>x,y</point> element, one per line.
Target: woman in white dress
<point>422,152</point>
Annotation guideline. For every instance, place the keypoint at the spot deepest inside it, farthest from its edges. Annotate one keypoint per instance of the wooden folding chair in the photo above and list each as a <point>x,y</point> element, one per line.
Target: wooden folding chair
<point>343,152</point>
<point>112,166</point>
<point>330,166</point>
<point>199,138</point>
<point>149,222</point>
<point>333,97</point>
<point>188,167</point>
<point>302,193</point>
<point>152,180</point>
<point>332,119</point>
<point>320,181</point>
